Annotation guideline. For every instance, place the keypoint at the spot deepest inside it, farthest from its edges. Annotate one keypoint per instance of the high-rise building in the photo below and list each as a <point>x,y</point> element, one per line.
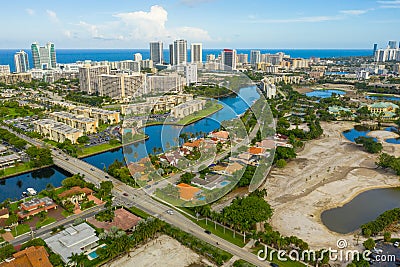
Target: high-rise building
<point>171,53</point>
<point>255,57</point>
<point>196,52</point>
<point>90,77</point>
<point>242,58</point>
<point>137,57</point>
<point>228,59</point>
<point>191,73</point>
<point>21,62</point>
<point>179,52</point>
<point>44,57</point>
<point>375,48</point>
<point>156,52</point>
<point>392,45</point>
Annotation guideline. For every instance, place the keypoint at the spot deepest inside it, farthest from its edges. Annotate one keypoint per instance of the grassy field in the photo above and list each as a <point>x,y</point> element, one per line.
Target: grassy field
<point>16,169</point>
<point>139,212</point>
<point>20,229</point>
<point>46,221</point>
<point>200,114</point>
<point>96,149</point>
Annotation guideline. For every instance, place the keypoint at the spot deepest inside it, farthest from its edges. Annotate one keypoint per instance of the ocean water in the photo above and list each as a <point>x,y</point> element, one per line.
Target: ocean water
<point>73,55</point>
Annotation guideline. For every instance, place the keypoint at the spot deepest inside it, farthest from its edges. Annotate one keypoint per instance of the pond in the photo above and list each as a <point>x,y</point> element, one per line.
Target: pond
<point>384,97</point>
<point>325,93</point>
<point>360,130</point>
<point>364,208</point>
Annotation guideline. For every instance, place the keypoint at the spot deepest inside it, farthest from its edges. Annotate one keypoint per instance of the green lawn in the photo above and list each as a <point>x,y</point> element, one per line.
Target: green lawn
<point>20,229</point>
<point>96,149</point>
<point>139,212</point>
<point>13,206</point>
<point>66,213</point>
<point>16,169</point>
<point>219,231</point>
<point>200,114</point>
<point>46,221</point>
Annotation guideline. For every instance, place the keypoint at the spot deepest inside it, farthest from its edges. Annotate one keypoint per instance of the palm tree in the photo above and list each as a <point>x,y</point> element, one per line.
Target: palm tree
<point>77,259</point>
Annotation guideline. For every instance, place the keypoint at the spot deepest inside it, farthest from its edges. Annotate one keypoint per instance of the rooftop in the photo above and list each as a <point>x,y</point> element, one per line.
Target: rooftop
<point>187,192</point>
<point>74,191</point>
<point>72,240</point>
<point>29,257</point>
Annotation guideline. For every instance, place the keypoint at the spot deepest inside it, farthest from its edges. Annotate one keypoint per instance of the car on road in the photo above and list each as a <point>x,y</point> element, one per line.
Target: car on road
<point>171,212</point>
<point>396,244</point>
<point>377,250</point>
<point>91,169</point>
<point>106,176</point>
<point>274,264</point>
<point>125,194</point>
<point>66,159</point>
<point>207,232</point>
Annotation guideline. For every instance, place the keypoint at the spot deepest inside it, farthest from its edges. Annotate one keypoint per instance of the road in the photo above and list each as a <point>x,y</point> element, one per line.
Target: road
<point>138,198</point>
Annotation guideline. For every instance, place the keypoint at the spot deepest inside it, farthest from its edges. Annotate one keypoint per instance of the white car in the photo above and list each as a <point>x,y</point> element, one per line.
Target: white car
<point>396,244</point>
<point>171,212</point>
<point>377,250</point>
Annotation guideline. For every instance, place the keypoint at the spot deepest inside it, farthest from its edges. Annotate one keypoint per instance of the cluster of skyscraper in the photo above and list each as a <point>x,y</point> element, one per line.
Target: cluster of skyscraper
<point>390,53</point>
<point>44,57</point>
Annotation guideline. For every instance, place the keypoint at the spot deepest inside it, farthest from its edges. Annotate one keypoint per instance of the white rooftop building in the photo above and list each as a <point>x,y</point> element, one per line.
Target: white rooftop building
<point>74,239</point>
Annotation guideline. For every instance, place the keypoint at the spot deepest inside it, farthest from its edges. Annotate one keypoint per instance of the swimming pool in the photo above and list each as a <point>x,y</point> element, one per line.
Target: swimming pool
<point>93,255</point>
<point>223,183</point>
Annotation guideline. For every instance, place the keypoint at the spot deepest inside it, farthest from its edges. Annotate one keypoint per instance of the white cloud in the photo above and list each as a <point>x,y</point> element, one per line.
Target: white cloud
<point>52,15</point>
<point>389,4</point>
<point>300,19</point>
<point>394,2</point>
<point>147,25</point>
<point>355,11</point>
<point>30,11</point>
<point>143,26</point>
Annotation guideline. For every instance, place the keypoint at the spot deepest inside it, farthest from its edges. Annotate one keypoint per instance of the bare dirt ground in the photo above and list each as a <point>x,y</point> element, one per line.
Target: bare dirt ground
<point>328,173</point>
<point>159,252</point>
<point>303,90</point>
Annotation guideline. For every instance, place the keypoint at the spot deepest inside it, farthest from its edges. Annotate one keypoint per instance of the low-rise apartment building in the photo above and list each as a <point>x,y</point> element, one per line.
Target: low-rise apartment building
<point>87,125</point>
<point>57,131</point>
<point>106,116</point>
<point>156,104</point>
<point>185,109</point>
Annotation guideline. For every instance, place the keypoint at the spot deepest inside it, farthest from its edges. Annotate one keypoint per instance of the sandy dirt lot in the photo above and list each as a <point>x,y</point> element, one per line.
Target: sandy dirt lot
<point>159,252</point>
<point>328,173</point>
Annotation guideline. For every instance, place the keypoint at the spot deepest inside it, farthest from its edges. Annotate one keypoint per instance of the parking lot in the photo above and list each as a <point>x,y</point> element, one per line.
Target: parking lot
<point>388,257</point>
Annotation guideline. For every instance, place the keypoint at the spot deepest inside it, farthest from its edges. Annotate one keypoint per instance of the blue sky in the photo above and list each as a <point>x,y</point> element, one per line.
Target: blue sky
<point>216,23</point>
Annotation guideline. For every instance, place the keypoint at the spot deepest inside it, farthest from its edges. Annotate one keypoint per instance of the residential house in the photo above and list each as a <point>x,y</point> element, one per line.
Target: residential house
<point>188,192</point>
<point>73,240</point>
<point>76,195</point>
<point>4,215</point>
<point>35,206</point>
<point>29,257</point>
<point>221,136</point>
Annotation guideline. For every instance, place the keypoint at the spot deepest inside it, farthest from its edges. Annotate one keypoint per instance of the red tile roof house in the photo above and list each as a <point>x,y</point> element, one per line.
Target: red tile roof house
<point>35,206</point>
<point>75,194</point>
<point>29,257</point>
<point>191,145</point>
<point>4,214</point>
<point>221,135</point>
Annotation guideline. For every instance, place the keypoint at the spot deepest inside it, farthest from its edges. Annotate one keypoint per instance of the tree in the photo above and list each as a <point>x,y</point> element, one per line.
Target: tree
<point>77,259</point>
<point>387,236</point>
<point>369,244</point>
<point>83,139</point>
<point>281,163</point>
<point>369,144</point>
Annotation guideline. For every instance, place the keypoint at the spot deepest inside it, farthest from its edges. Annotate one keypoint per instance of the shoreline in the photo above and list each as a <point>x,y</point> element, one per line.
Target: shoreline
<point>116,147</point>
<point>25,171</point>
<point>183,125</point>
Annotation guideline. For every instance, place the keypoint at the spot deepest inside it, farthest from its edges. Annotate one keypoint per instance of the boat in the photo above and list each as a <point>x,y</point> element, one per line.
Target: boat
<point>31,191</point>
<point>24,194</point>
